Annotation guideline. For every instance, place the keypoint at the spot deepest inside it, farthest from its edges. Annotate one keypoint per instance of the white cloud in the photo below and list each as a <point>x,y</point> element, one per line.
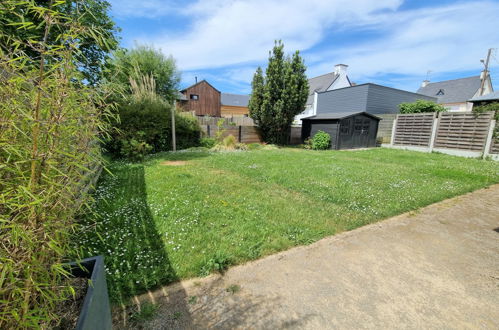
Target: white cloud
<point>231,32</point>
<point>446,39</point>
<point>235,36</point>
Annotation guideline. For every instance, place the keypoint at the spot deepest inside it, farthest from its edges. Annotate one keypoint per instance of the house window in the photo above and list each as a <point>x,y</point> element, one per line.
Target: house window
<point>440,92</point>
<point>194,97</point>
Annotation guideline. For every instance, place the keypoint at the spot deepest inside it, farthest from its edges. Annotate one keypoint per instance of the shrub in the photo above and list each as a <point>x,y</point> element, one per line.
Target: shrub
<point>421,106</point>
<point>207,142</point>
<point>145,127</point>
<point>49,151</point>
<point>187,130</point>
<point>229,142</point>
<point>134,150</point>
<point>321,141</point>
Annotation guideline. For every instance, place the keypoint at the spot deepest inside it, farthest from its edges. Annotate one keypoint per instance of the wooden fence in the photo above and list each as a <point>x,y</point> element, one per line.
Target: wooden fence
<point>237,121</point>
<point>243,134</point>
<point>414,129</point>
<point>248,134</point>
<point>295,135</point>
<point>465,131</point>
<point>458,133</point>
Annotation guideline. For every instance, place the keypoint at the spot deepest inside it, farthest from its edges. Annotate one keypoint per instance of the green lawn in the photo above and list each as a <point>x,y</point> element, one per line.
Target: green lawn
<point>156,223</point>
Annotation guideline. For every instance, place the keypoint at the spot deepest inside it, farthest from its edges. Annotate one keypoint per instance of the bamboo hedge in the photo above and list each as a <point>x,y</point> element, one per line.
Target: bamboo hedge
<point>50,124</point>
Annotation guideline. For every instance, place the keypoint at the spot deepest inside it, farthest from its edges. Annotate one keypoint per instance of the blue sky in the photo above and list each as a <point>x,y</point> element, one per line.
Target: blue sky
<point>389,42</point>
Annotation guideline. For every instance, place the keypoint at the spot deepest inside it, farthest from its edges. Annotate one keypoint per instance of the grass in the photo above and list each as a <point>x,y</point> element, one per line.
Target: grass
<point>156,223</point>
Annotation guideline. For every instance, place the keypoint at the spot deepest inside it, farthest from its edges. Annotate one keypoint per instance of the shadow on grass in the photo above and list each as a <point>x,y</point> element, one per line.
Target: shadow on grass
<point>122,229</point>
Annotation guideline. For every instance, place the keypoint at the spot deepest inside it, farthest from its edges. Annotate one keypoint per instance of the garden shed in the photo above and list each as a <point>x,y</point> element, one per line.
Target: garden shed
<point>348,130</point>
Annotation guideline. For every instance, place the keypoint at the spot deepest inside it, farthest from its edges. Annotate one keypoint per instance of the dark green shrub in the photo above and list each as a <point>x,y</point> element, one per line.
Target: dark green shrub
<point>321,141</point>
<point>134,150</point>
<point>207,142</point>
<point>187,130</point>
<point>145,127</point>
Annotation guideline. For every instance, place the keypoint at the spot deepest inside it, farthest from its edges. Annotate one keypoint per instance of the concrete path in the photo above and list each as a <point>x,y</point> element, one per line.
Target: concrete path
<point>434,268</point>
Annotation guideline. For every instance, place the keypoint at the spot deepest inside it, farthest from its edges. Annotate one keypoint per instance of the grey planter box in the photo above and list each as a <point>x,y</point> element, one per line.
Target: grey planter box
<point>96,312</point>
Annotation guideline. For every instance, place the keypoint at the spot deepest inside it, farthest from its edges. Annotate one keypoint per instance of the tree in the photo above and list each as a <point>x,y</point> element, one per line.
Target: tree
<point>144,60</point>
<point>19,28</point>
<point>279,96</point>
<point>421,106</point>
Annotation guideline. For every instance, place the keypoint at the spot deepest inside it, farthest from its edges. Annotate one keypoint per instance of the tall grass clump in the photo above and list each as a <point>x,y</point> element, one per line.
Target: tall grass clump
<point>50,124</point>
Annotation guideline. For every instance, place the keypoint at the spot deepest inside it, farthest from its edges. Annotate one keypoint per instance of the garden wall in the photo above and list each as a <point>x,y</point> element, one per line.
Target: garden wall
<point>457,133</point>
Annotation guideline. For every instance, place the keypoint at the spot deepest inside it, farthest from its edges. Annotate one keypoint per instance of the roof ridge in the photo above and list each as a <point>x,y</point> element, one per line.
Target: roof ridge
<point>436,82</point>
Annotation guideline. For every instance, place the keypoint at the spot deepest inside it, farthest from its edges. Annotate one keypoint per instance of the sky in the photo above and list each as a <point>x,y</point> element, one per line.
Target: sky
<point>394,43</point>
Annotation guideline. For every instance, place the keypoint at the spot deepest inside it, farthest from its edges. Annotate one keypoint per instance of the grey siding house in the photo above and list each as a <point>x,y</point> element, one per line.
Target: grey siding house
<point>371,98</point>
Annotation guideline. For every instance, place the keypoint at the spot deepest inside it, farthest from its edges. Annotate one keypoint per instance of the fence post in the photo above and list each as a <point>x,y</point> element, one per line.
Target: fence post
<point>490,136</point>
<point>394,128</point>
<point>434,129</point>
<point>240,133</point>
<point>208,130</point>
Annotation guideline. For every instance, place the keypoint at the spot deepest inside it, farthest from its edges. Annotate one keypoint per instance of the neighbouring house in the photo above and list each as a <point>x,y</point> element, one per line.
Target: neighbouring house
<point>455,94</point>
<point>202,99</point>
<point>485,99</point>
<point>326,82</point>
<point>348,130</point>
<point>371,98</point>
<point>234,105</point>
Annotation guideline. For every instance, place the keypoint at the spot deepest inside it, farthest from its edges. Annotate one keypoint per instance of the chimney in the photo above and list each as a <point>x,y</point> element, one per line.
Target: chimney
<point>425,83</point>
<point>196,78</point>
<point>340,69</point>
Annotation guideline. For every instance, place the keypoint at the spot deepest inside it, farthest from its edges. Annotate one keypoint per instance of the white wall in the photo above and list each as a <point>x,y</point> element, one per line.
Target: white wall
<point>341,82</point>
<point>457,107</point>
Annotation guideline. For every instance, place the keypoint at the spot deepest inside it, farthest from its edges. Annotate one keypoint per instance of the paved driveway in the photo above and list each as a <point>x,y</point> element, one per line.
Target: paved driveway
<point>435,268</point>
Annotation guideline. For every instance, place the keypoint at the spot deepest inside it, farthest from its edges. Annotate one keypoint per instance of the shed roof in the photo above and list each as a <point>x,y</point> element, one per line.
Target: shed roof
<point>340,115</point>
<point>236,100</point>
<point>487,97</point>
<point>452,91</point>
<point>320,84</point>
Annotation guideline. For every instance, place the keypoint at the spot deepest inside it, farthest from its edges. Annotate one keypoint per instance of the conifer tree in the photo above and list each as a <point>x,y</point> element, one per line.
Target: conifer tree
<point>279,96</point>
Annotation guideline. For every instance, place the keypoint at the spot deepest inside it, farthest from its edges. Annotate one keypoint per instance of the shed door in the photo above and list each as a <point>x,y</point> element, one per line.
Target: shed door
<point>361,127</point>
